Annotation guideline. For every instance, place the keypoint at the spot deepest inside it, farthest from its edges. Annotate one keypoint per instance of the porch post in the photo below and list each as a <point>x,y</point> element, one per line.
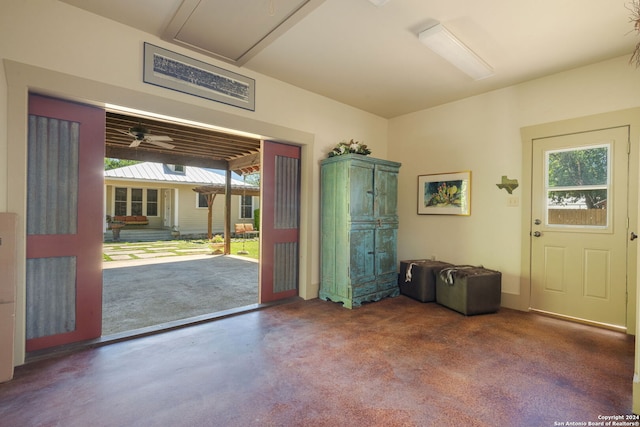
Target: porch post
<point>176,222</point>
<point>227,213</point>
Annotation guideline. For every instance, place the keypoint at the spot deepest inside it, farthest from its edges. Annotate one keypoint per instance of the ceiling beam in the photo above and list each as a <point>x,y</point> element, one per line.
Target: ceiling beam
<point>166,158</point>
<point>251,161</point>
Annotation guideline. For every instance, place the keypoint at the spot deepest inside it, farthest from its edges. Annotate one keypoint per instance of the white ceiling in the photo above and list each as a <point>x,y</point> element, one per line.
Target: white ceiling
<point>370,57</point>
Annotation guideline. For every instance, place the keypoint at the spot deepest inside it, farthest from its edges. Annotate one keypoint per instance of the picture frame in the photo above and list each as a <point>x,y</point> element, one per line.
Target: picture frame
<point>181,73</point>
<point>445,194</point>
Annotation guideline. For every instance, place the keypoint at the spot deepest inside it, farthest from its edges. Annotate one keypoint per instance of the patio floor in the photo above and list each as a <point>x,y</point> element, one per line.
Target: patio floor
<point>165,285</point>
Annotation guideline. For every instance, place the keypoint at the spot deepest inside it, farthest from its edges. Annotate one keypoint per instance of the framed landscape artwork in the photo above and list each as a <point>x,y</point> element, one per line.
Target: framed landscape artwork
<point>445,194</point>
<point>171,70</point>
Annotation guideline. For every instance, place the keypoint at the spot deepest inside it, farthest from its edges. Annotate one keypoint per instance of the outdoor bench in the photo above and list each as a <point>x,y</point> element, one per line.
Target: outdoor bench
<point>132,219</point>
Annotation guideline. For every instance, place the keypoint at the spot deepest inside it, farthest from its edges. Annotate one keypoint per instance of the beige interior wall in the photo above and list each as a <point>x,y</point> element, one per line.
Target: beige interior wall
<point>482,134</point>
<point>8,255</point>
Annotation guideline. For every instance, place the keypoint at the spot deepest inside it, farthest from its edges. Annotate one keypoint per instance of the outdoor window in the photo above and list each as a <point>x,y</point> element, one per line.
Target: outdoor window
<point>120,207</point>
<point>202,200</point>
<point>179,169</point>
<point>135,201</point>
<point>577,186</point>
<point>152,202</point>
<point>246,207</point>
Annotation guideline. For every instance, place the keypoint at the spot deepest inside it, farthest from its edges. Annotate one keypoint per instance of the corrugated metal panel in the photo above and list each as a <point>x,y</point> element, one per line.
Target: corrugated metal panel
<point>286,213</point>
<point>53,147</point>
<point>51,296</point>
<point>287,192</point>
<point>285,269</point>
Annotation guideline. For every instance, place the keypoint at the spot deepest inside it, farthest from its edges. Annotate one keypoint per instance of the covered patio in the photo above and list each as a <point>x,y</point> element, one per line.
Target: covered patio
<point>192,145</point>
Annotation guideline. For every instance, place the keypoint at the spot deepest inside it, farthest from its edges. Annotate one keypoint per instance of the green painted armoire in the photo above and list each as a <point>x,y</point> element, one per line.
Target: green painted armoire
<point>358,229</point>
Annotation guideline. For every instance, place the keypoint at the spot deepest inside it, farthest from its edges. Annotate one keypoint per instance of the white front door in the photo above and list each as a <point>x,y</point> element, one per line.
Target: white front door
<point>580,225</point>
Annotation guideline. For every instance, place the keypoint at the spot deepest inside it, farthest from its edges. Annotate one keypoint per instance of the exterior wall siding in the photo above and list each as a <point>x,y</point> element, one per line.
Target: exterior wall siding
<point>192,220</point>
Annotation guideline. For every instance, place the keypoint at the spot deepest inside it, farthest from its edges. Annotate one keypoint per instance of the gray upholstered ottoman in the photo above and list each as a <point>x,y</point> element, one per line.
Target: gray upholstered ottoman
<point>418,278</point>
<point>469,290</point>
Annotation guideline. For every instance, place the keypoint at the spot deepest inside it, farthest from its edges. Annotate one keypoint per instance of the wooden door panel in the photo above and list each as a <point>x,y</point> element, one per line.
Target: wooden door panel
<point>386,262</point>
<point>64,222</point>
<point>362,254</point>
<point>386,193</point>
<point>279,216</point>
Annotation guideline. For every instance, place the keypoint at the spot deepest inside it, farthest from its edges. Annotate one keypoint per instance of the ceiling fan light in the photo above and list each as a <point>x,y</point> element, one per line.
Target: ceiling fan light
<point>445,44</point>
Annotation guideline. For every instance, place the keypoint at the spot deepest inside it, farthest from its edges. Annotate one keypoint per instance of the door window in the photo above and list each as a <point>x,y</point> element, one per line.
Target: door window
<point>578,187</point>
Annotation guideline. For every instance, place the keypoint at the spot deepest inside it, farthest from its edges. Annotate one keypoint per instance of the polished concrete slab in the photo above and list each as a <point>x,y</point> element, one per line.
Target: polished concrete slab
<point>396,362</point>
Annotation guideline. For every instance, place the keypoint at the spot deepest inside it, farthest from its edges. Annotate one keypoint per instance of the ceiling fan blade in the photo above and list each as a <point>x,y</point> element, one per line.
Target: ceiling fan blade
<point>135,143</point>
<point>157,138</point>
<point>161,144</point>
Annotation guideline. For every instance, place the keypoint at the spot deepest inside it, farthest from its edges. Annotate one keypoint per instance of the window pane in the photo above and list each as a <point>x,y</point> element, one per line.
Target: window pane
<point>581,167</point>
<point>590,208</point>
<point>202,200</point>
<point>121,194</point>
<point>152,202</point>
<point>246,207</point>
<point>136,201</point>
<point>578,186</point>
<point>120,208</point>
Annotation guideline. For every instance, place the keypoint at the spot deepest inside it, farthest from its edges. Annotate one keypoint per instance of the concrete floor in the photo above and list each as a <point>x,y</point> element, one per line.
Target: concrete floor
<point>396,362</point>
<point>148,292</point>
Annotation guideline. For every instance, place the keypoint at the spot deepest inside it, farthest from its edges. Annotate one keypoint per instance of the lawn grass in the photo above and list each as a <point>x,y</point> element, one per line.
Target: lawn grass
<point>182,247</point>
<point>251,246</point>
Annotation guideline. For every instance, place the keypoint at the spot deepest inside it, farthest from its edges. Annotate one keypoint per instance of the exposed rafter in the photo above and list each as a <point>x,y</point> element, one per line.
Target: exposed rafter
<point>194,146</point>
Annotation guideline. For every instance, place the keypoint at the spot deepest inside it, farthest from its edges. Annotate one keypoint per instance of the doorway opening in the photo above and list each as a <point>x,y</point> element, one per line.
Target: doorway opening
<point>22,77</point>
<point>170,246</point>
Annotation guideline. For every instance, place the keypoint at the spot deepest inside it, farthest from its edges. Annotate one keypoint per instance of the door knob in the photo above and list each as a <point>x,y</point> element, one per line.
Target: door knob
<point>537,234</point>
<point>634,236</point>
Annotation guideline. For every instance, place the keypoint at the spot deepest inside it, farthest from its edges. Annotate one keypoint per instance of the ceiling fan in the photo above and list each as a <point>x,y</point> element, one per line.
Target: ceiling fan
<point>141,134</point>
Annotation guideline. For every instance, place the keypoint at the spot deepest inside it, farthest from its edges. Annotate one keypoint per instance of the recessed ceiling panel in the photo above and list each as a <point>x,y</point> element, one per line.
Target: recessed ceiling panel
<point>234,30</point>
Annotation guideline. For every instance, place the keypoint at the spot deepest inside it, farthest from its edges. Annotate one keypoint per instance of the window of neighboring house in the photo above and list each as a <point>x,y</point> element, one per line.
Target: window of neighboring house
<point>202,200</point>
<point>246,207</point>
<point>136,201</point>
<point>120,207</point>
<point>152,202</point>
<point>180,169</point>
